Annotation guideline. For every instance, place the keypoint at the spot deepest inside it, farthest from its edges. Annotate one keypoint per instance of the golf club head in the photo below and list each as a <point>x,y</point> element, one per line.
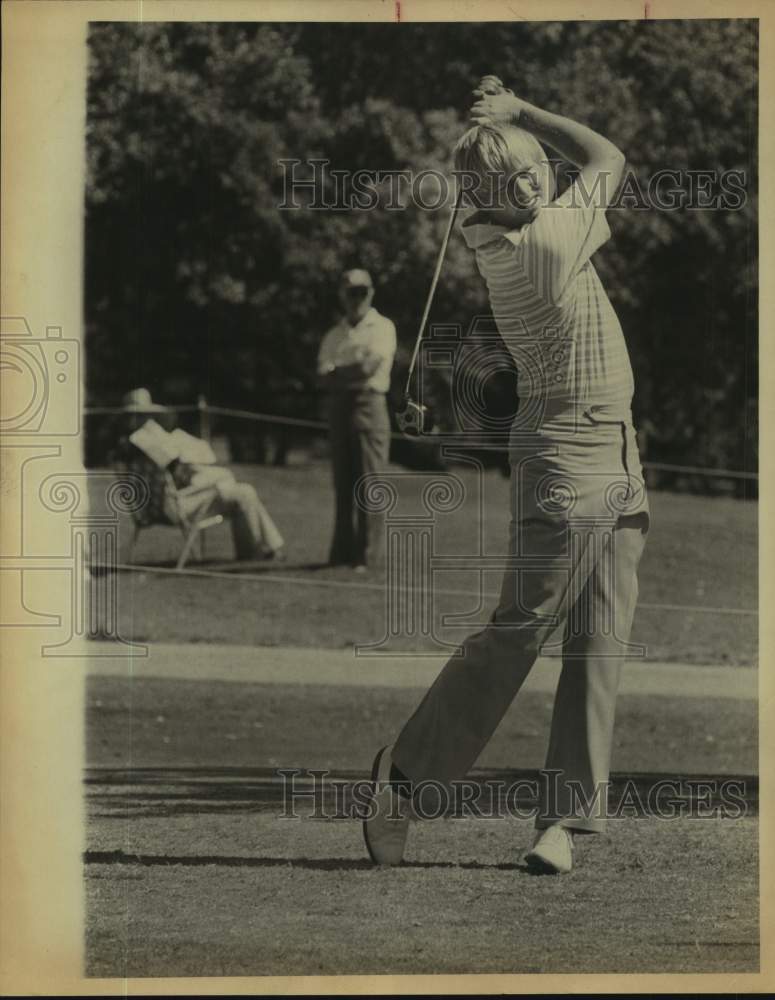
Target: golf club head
<point>414,419</point>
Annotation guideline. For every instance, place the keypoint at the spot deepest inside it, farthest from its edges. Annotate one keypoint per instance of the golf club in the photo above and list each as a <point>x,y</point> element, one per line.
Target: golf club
<point>413,418</point>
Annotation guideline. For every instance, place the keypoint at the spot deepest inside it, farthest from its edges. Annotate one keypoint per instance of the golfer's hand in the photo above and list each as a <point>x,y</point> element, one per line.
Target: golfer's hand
<point>496,109</point>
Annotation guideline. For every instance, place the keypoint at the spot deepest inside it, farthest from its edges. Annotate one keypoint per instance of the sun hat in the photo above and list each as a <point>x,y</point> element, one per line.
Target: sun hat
<point>139,401</point>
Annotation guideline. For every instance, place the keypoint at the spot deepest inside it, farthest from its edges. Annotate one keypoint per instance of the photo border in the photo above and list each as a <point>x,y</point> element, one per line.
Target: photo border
<point>41,699</point>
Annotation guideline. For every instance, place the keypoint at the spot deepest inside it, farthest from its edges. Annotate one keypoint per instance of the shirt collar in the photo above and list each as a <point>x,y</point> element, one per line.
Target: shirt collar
<point>478,232</point>
<point>367,320</point>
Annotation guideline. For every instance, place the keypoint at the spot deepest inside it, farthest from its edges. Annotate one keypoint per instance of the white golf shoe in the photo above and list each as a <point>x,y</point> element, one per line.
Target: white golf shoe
<point>387,823</point>
<point>552,851</point>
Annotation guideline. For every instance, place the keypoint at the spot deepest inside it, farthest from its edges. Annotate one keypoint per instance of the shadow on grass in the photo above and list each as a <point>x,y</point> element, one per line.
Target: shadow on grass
<point>237,566</point>
<point>312,864</point>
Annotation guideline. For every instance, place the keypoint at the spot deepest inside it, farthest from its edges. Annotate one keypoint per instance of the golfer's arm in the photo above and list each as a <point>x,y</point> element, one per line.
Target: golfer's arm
<point>595,155</point>
<point>334,379</point>
<point>344,376</point>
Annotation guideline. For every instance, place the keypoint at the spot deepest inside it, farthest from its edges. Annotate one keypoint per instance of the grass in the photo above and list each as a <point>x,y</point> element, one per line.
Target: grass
<point>701,551</point>
<point>227,887</point>
<point>190,881</point>
<point>257,895</point>
<point>164,723</point>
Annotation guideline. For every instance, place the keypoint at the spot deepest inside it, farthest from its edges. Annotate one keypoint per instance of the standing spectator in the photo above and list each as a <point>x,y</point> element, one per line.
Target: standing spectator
<point>354,365</point>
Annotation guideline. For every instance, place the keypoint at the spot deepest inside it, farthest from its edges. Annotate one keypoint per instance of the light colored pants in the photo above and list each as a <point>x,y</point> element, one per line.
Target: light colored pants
<point>254,532</point>
<point>579,518</point>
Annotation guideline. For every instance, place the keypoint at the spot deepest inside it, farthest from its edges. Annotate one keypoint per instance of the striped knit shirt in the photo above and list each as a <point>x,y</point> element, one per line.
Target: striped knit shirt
<point>550,307</point>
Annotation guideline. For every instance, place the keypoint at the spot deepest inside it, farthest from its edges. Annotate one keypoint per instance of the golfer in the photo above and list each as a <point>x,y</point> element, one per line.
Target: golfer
<point>579,513</point>
<point>354,364</point>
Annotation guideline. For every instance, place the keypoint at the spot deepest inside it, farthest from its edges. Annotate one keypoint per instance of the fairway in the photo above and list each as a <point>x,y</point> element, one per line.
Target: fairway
<point>252,894</point>
<point>701,552</point>
<point>191,869</point>
<point>157,722</point>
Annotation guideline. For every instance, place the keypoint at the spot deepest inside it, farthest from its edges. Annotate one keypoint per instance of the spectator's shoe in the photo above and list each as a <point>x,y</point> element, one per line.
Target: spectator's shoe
<point>552,851</point>
<point>387,821</point>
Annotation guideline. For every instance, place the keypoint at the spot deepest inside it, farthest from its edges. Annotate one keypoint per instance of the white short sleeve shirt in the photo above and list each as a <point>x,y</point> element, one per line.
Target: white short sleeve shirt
<point>375,334</point>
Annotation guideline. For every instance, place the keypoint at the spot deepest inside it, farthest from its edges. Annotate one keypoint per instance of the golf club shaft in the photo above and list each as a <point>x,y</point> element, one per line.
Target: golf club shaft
<point>432,292</point>
<point>492,85</point>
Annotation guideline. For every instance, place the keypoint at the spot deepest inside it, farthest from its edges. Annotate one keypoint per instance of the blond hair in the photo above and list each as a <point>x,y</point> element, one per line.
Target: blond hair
<point>484,151</point>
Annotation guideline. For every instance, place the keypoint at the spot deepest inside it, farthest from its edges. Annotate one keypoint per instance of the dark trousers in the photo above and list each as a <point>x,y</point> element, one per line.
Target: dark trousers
<point>360,443</point>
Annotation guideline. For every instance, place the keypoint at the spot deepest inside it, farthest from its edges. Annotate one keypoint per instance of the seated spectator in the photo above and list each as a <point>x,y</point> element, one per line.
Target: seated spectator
<point>146,447</point>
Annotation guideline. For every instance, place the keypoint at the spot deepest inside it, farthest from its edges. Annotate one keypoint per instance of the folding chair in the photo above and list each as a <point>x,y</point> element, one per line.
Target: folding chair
<point>166,506</point>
